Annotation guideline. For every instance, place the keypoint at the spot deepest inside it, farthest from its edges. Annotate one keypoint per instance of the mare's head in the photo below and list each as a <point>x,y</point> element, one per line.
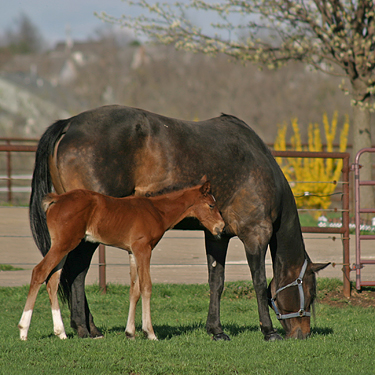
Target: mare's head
<point>293,297</point>
<point>206,211</point>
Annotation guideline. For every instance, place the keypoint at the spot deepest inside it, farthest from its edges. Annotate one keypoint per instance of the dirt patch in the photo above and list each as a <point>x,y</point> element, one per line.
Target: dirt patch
<point>365,298</point>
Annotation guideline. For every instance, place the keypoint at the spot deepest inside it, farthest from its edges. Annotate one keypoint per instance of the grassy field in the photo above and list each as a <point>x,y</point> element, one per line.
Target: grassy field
<point>342,341</point>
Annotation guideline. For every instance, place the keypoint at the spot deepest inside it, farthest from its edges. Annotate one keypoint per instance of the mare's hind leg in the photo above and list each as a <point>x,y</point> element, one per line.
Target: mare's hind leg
<point>135,293</point>
<point>256,243</point>
<point>39,275</point>
<point>73,276</point>
<point>52,286</point>
<point>216,253</point>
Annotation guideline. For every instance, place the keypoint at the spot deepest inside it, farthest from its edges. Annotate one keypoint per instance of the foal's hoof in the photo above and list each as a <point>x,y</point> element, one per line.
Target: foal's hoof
<point>220,336</point>
<point>61,336</point>
<point>273,336</point>
<point>130,336</point>
<point>150,336</point>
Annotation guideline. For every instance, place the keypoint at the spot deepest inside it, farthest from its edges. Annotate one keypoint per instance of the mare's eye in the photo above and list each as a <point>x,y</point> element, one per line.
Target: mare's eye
<point>212,206</point>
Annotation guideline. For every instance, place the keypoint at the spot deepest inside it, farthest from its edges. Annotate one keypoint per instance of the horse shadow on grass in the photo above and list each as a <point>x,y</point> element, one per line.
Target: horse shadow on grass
<point>166,332</point>
<point>315,331</point>
<point>321,331</point>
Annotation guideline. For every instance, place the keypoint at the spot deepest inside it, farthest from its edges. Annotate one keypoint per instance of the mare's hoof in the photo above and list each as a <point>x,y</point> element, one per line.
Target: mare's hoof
<point>95,333</point>
<point>274,336</point>
<point>220,336</point>
<point>83,333</point>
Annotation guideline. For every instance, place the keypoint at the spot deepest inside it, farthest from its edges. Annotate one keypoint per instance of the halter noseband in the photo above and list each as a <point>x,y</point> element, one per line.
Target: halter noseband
<point>298,282</point>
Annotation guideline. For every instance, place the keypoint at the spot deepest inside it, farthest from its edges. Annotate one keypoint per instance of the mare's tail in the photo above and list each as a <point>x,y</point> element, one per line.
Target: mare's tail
<point>41,185</point>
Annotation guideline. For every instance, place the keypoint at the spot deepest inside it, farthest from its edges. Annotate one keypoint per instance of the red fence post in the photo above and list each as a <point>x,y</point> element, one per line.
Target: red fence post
<point>345,226</point>
<point>9,174</point>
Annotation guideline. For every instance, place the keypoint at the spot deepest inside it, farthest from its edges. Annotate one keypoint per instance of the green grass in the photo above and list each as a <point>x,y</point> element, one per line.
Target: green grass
<point>342,341</point>
<point>9,267</point>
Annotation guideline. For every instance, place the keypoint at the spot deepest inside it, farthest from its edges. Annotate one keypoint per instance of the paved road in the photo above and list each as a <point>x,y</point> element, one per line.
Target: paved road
<point>178,258</point>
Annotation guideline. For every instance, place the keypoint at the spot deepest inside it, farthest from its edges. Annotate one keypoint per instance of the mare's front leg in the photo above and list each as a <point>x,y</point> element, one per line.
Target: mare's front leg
<point>256,243</point>
<point>74,273</point>
<point>52,286</point>
<point>216,251</point>
<point>135,293</point>
<point>142,255</point>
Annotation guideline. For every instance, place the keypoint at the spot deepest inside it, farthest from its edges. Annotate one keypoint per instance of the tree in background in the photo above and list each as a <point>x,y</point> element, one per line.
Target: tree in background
<point>336,37</point>
<point>24,37</point>
<point>313,180</point>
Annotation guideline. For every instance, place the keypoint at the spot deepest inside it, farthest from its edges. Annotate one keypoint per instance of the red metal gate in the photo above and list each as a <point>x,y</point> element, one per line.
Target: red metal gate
<point>360,262</point>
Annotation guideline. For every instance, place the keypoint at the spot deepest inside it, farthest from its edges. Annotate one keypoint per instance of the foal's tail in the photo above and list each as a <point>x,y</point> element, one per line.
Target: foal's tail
<point>41,185</point>
<point>49,199</point>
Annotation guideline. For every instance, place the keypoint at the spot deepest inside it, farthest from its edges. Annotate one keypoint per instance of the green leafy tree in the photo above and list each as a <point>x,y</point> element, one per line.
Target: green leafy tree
<point>336,37</point>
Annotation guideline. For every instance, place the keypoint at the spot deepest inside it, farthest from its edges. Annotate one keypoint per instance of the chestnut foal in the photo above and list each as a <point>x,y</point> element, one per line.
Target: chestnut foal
<point>134,223</point>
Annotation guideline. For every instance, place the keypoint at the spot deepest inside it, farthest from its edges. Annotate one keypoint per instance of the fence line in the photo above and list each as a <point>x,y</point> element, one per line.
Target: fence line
<point>9,148</point>
<point>344,230</point>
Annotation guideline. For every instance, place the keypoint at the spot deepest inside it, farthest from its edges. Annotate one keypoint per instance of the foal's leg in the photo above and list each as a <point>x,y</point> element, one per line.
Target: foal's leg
<point>52,286</point>
<point>143,255</point>
<point>39,275</point>
<point>24,323</point>
<point>134,297</point>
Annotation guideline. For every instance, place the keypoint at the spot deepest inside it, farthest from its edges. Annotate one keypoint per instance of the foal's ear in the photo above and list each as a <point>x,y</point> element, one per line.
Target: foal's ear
<point>203,179</point>
<point>316,267</point>
<point>205,188</point>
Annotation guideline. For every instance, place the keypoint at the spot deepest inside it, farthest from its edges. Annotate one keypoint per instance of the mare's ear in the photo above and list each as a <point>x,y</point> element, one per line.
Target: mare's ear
<point>316,267</point>
<point>205,188</point>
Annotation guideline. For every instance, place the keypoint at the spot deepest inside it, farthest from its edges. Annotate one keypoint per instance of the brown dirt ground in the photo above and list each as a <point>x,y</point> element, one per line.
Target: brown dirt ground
<point>364,298</point>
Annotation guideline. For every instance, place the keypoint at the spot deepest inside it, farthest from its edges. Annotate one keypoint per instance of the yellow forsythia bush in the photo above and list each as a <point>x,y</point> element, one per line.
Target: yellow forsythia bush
<point>311,178</point>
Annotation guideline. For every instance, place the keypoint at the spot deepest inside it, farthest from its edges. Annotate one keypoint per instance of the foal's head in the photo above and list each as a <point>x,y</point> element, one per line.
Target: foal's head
<point>292,299</point>
<point>206,211</point>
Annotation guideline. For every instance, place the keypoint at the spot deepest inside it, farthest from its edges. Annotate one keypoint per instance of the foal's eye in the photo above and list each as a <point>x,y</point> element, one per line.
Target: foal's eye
<point>212,206</point>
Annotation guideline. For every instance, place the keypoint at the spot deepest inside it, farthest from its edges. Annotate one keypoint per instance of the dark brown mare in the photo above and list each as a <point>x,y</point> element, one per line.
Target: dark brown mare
<point>121,151</point>
<point>135,224</point>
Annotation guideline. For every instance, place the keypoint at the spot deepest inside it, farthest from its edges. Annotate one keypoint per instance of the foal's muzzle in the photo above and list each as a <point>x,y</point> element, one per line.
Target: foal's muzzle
<point>218,230</point>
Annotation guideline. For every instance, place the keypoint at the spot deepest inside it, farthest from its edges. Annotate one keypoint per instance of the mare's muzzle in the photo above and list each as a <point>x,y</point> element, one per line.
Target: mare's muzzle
<point>298,282</point>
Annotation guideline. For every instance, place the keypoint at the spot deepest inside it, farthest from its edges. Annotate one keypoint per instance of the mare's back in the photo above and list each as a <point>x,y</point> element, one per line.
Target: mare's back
<point>117,147</point>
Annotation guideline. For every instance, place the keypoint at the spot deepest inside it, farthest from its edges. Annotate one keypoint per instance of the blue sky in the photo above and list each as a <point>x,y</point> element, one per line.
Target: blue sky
<point>52,17</point>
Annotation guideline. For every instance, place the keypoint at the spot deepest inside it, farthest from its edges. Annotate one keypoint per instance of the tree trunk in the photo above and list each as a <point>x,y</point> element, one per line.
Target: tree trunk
<point>362,139</point>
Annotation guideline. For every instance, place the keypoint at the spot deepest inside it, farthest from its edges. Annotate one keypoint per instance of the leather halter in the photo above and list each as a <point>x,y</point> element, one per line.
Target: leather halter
<point>297,282</point>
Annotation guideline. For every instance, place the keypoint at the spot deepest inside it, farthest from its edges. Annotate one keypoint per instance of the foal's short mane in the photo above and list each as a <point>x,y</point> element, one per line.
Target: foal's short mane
<point>172,189</point>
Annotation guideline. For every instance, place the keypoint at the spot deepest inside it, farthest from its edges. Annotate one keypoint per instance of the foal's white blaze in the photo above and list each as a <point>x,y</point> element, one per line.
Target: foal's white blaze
<point>24,324</point>
<point>58,325</point>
